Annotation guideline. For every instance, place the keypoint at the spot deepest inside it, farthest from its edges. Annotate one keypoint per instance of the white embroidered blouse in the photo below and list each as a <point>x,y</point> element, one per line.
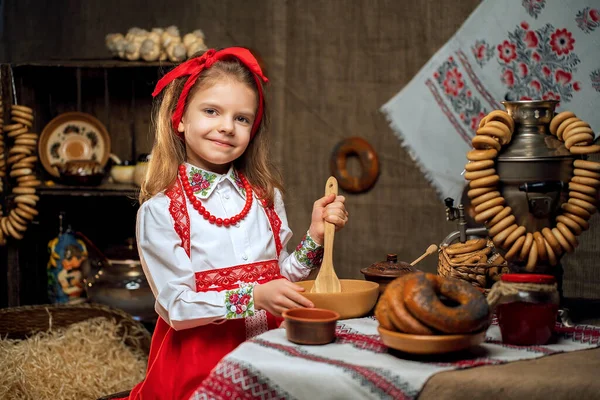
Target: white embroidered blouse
<point>171,273</point>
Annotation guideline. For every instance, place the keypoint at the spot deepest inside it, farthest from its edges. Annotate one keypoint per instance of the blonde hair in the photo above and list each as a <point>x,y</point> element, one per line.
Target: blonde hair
<point>168,151</point>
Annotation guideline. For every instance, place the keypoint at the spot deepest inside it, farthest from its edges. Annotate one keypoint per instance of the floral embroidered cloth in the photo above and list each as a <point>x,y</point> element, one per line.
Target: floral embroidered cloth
<point>357,365</point>
<point>506,50</point>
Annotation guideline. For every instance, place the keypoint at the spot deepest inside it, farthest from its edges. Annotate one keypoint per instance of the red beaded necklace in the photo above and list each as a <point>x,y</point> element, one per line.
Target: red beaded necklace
<point>197,204</point>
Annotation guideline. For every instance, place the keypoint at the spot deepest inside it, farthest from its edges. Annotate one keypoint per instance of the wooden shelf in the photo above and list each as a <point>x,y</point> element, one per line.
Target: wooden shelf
<point>95,63</point>
<point>104,189</point>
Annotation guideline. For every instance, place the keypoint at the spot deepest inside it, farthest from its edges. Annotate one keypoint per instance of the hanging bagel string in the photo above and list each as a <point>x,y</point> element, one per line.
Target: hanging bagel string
<point>21,157</point>
<point>495,131</point>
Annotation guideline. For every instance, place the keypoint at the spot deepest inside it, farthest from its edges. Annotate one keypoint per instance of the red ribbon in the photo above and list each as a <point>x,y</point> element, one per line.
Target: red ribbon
<point>195,66</point>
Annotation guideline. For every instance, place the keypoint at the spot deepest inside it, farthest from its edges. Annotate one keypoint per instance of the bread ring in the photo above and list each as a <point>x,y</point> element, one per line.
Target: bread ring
<point>26,178</point>
<point>3,223</point>
<point>20,149</point>
<point>12,127</point>
<point>467,247</point>
<point>401,318</point>
<point>584,180</point>
<point>515,249</point>
<point>580,221</point>
<point>471,175</point>
<point>494,132</point>
<point>13,232</point>
<point>488,214</point>
<point>573,125</point>
<point>479,191</point>
<point>501,237</point>
<point>502,126</point>
<point>579,139</point>
<point>571,131</point>
<point>564,243</point>
<point>16,217</point>
<point>479,155</point>
<point>25,199</point>
<point>369,162</point>
<point>17,132</point>
<point>498,201</point>
<point>563,126</point>
<point>567,234</point>
<point>589,165</point>
<point>573,226</point>
<point>23,121</point>
<point>23,214</point>
<point>23,190</point>
<point>585,149</point>
<point>421,296</point>
<point>479,165</point>
<point>29,136</point>
<point>517,233</point>
<point>15,158</point>
<point>20,172</point>
<point>459,259</point>
<point>382,311</point>
<point>27,208</point>
<point>491,180</point>
<point>586,173</point>
<point>21,108</point>
<point>502,116</point>
<point>500,226</point>
<point>16,224</point>
<point>22,114</point>
<point>499,217</point>
<point>482,142</point>
<point>576,210</point>
<point>587,206</point>
<point>484,197</point>
<point>476,259</point>
<point>578,187</point>
<point>526,246</point>
<point>538,238</point>
<point>32,183</point>
<point>558,119</point>
<point>552,258</point>
<point>552,241</point>
<point>533,257</point>
<point>26,142</point>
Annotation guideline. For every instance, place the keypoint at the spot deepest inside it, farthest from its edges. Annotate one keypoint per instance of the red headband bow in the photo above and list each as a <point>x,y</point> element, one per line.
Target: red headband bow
<point>195,66</point>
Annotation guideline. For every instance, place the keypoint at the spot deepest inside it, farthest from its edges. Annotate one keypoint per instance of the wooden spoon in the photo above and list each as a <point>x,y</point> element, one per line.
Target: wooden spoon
<point>430,250</point>
<point>327,281</point>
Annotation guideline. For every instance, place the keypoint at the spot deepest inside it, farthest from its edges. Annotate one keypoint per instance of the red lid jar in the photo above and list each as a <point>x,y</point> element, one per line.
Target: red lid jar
<point>528,316</point>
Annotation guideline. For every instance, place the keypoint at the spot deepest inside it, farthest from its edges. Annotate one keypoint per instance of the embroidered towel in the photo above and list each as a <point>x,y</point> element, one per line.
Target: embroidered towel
<point>505,50</point>
<point>357,365</point>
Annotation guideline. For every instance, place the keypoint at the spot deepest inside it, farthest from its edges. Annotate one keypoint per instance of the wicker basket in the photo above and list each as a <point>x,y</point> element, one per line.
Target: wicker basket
<point>21,322</point>
<point>481,275</point>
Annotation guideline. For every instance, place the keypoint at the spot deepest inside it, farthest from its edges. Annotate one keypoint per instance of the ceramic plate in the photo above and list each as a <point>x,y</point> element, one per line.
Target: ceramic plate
<point>429,344</point>
<point>73,136</point>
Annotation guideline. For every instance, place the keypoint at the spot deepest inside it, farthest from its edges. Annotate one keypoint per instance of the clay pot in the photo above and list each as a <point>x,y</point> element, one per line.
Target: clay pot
<point>310,325</point>
<point>384,272</point>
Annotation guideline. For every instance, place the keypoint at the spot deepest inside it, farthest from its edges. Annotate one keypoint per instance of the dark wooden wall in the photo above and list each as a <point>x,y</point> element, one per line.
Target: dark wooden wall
<point>332,64</point>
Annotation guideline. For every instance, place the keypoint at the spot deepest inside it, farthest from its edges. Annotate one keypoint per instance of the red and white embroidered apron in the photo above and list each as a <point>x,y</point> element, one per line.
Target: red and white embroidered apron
<point>180,360</point>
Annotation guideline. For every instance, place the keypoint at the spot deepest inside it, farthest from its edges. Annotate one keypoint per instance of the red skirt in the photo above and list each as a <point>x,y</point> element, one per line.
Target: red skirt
<point>180,360</point>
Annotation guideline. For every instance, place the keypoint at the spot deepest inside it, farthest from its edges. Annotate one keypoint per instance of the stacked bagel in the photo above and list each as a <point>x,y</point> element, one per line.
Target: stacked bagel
<point>489,205</point>
<point>415,304</point>
<point>474,261</point>
<point>20,166</point>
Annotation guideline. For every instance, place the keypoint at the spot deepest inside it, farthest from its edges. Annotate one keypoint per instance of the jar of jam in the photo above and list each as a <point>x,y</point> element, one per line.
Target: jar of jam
<point>528,309</point>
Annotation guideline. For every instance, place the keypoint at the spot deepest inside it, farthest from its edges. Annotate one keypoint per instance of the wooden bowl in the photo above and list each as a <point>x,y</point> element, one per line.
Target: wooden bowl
<point>430,344</point>
<point>355,300</point>
<point>310,325</point>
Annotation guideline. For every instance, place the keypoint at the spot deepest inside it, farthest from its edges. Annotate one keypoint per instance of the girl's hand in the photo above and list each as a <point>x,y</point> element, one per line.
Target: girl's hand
<point>279,295</point>
<point>329,208</point>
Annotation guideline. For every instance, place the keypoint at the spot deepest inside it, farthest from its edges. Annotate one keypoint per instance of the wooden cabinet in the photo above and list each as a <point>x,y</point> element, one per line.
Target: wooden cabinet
<point>118,93</point>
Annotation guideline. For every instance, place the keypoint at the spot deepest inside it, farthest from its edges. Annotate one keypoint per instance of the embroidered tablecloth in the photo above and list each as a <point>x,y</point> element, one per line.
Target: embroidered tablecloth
<point>505,50</point>
<point>358,366</point>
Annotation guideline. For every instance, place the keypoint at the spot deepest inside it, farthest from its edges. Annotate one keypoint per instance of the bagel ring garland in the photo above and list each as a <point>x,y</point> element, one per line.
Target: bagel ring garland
<point>369,163</point>
<point>549,243</point>
<point>22,158</point>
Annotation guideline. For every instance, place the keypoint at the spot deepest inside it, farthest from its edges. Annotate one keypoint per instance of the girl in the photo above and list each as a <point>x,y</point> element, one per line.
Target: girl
<point>212,228</point>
